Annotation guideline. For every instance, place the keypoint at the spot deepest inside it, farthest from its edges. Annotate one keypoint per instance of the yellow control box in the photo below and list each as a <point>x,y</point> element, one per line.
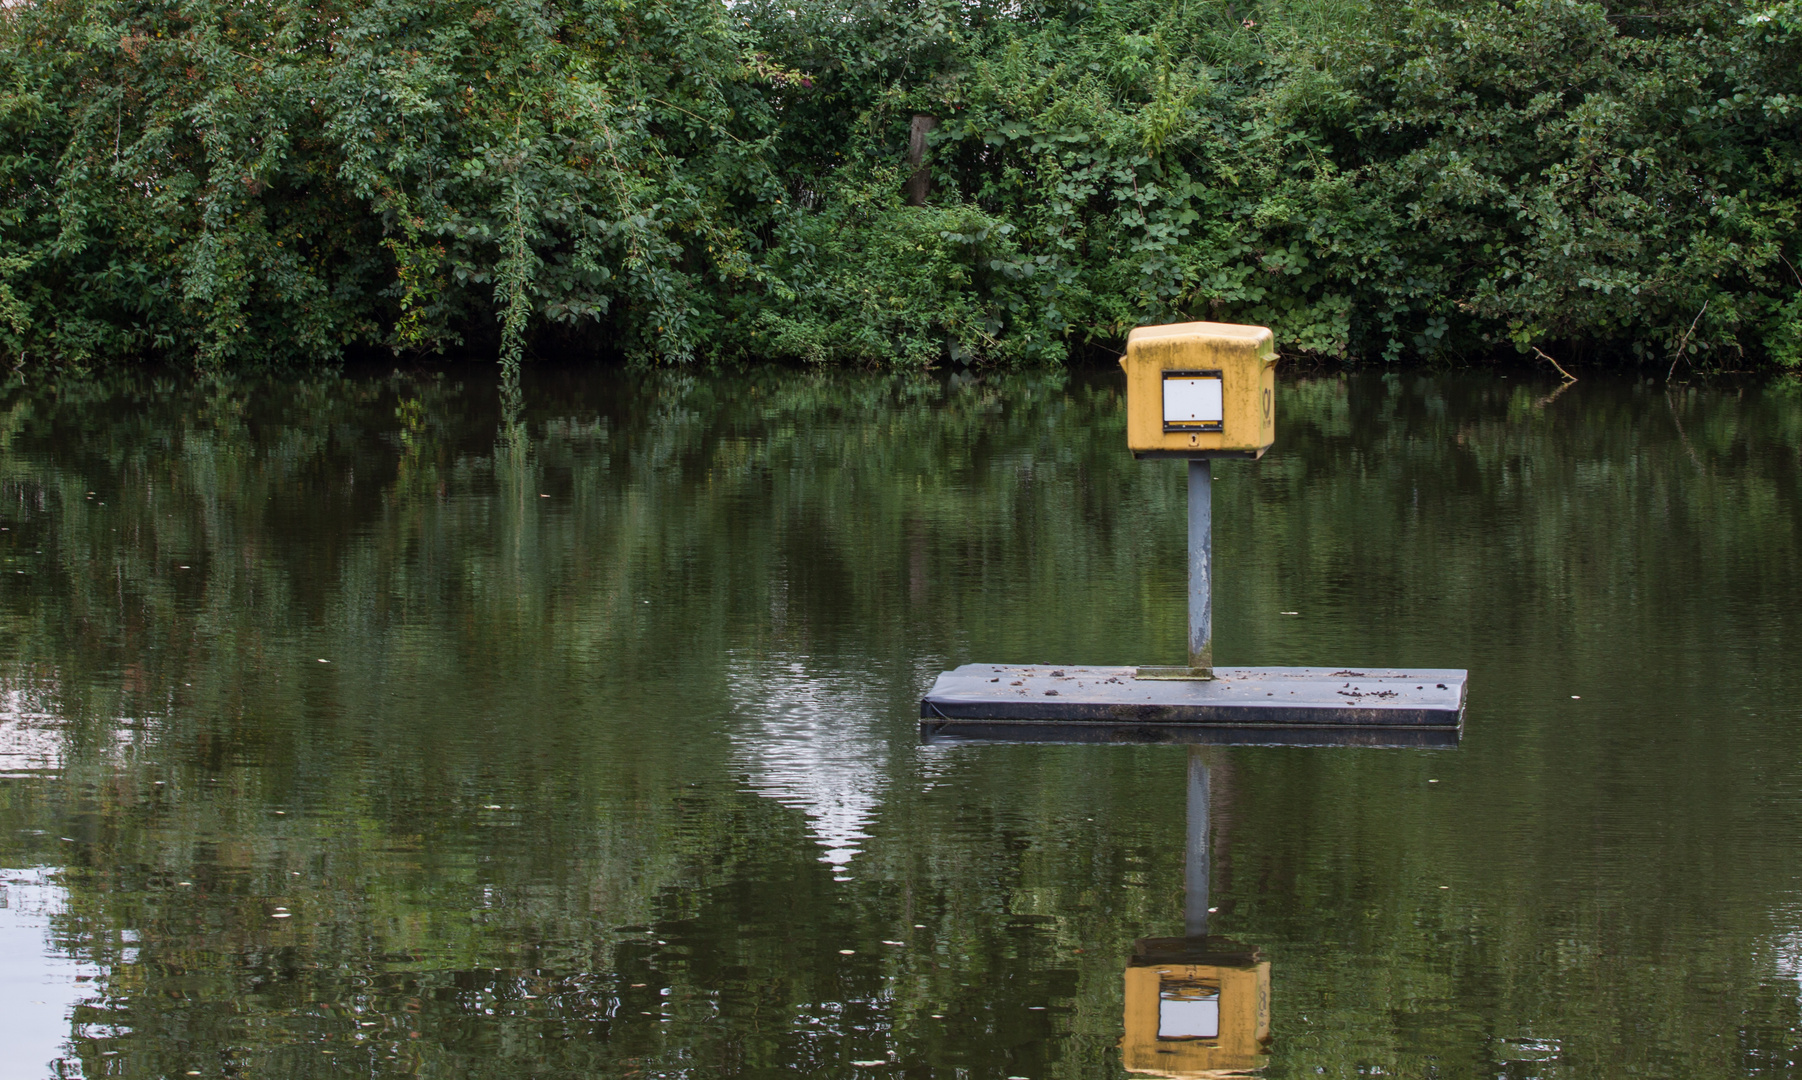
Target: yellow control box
<point>1200,389</point>
<point>1196,1019</point>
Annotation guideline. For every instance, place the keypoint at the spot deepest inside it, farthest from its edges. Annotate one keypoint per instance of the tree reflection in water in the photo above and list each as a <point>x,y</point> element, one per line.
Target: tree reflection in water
<point>593,704</point>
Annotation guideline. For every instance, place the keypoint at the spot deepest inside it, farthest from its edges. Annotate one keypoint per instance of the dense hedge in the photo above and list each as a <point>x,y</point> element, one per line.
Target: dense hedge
<point>678,178</point>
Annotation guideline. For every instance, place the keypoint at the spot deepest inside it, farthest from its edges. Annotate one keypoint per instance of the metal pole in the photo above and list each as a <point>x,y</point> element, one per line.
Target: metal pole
<point>1195,862</point>
<point>1201,558</point>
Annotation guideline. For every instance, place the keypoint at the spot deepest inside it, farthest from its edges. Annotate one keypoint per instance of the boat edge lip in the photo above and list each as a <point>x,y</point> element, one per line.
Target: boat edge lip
<point>1066,732</point>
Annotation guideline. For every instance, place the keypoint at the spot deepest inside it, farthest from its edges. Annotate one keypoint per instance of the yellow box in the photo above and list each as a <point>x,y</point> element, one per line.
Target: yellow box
<point>1200,389</point>
<point>1185,1020</point>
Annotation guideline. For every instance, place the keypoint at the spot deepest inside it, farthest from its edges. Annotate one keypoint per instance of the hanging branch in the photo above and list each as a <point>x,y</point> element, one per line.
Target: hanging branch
<point>1681,345</point>
<point>1568,377</point>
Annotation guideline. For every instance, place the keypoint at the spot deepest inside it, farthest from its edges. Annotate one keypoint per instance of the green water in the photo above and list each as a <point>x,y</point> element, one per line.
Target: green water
<point>587,746</point>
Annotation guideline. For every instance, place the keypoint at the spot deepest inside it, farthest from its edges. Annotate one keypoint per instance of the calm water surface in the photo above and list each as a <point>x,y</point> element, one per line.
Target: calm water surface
<point>348,730</point>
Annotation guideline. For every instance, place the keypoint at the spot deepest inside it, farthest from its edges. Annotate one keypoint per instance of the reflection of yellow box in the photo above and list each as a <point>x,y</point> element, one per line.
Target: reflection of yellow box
<point>1200,389</point>
<point>1196,1020</point>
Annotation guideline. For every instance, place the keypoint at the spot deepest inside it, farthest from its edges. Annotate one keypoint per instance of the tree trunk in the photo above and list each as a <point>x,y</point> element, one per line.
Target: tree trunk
<point>919,185</point>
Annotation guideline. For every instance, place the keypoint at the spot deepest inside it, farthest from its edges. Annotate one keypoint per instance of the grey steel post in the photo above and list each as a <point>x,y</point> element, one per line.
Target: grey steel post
<point>1195,862</point>
<point>1201,559</point>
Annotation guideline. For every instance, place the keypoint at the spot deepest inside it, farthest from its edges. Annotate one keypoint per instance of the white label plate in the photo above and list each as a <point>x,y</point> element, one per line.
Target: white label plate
<point>1192,401</point>
<point>1189,1017</point>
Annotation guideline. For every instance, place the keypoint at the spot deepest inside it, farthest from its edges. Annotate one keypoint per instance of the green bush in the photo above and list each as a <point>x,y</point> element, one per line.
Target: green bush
<point>277,181</point>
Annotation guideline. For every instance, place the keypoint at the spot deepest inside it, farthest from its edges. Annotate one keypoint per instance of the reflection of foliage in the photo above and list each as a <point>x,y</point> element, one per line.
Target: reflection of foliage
<point>509,794</point>
<point>432,711</point>
<point>283,180</point>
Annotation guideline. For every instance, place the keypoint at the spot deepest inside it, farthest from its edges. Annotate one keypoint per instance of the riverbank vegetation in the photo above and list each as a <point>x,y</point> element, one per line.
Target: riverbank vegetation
<point>234,183</point>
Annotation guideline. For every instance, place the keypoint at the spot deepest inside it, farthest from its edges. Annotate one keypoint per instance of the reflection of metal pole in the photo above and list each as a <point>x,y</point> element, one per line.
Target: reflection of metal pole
<point>1201,559</point>
<point>1195,867</point>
